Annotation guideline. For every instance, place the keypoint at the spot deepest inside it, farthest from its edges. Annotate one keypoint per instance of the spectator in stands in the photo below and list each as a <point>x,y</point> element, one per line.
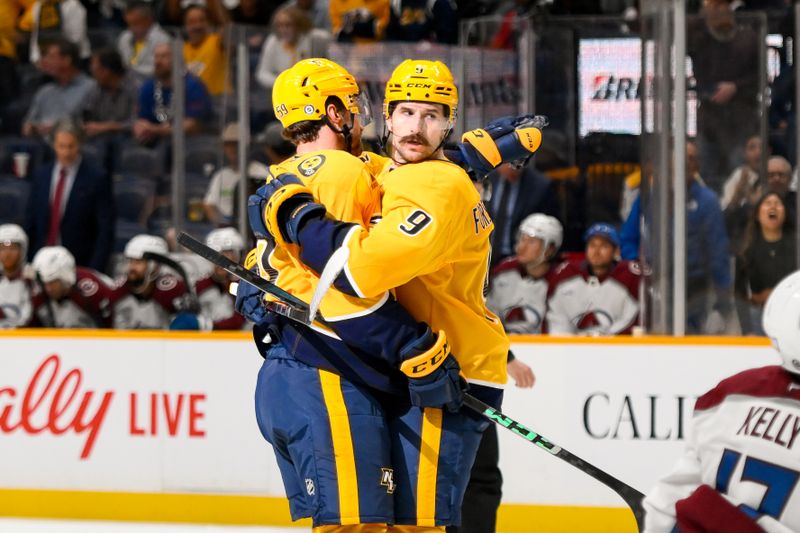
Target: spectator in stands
<point>53,20</point>
<point>743,181</point>
<point>516,193</point>
<point>15,287</point>
<point>220,198</point>
<point>148,298</point>
<point>725,60</point>
<point>64,96</point>
<point>741,192</point>
<point>708,269</point>
<point>293,38</point>
<point>317,10</point>
<point>110,107</point>
<point>513,13</point>
<point>598,295</point>
<point>359,21</point>
<point>779,180</point>
<point>66,296</point>
<point>518,286</point>
<point>10,11</point>
<point>137,43</point>
<point>71,203</point>
<point>276,147</point>
<point>154,120</point>
<point>768,255</point>
<point>423,20</point>
<point>213,291</point>
<point>252,12</point>
<point>204,49</point>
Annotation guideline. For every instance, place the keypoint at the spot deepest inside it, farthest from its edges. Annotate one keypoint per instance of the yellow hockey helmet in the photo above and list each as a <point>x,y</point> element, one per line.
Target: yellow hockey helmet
<point>299,92</point>
<point>419,80</point>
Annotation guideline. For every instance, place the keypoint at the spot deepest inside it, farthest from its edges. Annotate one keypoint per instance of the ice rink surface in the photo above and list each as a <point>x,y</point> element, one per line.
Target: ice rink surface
<point>13,525</point>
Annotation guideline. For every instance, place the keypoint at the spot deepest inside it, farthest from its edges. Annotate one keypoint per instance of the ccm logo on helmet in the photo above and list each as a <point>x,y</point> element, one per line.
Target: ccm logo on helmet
<point>419,85</point>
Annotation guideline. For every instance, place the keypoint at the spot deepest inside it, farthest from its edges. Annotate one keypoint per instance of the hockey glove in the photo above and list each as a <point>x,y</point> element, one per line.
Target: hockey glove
<point>280,207</point>
<point>185,320</point>
<point>504,140</point>
<point>250,302</point>
<point>434,378</point>
<point>707,511</point>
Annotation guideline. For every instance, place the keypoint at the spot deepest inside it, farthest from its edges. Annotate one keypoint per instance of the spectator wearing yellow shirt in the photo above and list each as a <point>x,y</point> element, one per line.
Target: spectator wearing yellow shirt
<point>204,49</point>
<point>359,21</point>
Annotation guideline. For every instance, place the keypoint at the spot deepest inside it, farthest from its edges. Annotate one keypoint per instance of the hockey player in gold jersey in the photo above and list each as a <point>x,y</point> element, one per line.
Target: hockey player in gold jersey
<point>432,247</point>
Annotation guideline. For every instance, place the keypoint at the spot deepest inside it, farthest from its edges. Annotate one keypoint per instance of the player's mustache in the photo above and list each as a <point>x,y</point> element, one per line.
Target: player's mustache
<point>416,138</point>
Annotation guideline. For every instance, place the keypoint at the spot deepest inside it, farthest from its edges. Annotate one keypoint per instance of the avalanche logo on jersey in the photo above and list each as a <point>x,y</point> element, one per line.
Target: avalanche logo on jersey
<point>525,314</point>
<point>596,321</point>
<point>88,287</point>
<point>309,166</point>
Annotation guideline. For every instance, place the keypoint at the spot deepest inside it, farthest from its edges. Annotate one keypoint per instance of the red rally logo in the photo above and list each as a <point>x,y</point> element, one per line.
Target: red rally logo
<point>42,406</point>
<point>56,402</point>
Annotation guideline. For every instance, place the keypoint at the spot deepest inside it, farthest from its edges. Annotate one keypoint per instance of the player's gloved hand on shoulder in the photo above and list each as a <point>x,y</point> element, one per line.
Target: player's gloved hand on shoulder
<point>503,140</point>
<point>434,378</point>
<point>280,207</point>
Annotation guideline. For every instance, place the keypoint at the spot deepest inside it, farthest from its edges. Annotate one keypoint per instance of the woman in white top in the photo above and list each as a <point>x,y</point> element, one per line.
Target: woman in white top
<point>292,39</point>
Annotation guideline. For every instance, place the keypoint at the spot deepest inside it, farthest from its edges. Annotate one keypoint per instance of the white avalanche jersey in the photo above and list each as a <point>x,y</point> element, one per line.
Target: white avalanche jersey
<point>86,305</point>
<point>745,444</point>
<point>581,303</point>
<point>132,311</point>
<point>15,302</point>
<point>217,303</point>
<point>517,298</point>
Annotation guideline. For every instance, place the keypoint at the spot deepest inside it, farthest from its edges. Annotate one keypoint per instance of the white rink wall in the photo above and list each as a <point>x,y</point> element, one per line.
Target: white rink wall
<point>172,413</point>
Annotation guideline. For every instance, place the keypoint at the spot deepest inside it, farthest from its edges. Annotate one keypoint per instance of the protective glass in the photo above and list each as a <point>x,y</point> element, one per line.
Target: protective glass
<point>364,108</point>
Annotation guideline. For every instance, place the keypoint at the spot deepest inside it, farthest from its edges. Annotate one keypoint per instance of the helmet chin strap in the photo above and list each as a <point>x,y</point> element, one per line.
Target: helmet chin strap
<point>345,131</point>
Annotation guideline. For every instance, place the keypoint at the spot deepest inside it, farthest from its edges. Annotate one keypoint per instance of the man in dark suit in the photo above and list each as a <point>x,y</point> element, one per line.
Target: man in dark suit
<point>517,193</point>
<point>71,203</point>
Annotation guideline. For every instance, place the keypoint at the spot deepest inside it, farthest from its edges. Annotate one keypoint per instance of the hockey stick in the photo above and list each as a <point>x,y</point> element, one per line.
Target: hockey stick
<point>48,303</point>
<point>300,313</point>
<point>631,496</point>
<point>289,305</point>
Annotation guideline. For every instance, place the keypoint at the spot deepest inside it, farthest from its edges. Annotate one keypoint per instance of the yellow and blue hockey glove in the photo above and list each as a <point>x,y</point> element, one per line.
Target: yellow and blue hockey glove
<point>503,140</point>
<point>280,207</point>
<point>434,378</point>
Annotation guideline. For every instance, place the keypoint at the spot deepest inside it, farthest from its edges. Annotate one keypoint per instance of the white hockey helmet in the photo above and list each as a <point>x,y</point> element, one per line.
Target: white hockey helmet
<point>140,244</point>
<point>55,263</point>
<point>543,227</point>
<point>781,320</point>
<point>225,239</point>
<point>14,234</point>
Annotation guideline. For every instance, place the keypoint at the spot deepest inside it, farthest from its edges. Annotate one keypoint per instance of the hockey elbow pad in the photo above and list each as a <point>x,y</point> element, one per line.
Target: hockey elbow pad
<point>280,207</point>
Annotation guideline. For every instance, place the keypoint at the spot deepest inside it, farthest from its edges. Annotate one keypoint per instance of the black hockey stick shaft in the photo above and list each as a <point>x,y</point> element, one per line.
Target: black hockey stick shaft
<point>631,496</point>
<point>289,306</point>
<point>299,312</point>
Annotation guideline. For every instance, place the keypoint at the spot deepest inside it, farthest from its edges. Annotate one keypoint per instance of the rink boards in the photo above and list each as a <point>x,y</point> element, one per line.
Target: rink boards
<point>160,427</point>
